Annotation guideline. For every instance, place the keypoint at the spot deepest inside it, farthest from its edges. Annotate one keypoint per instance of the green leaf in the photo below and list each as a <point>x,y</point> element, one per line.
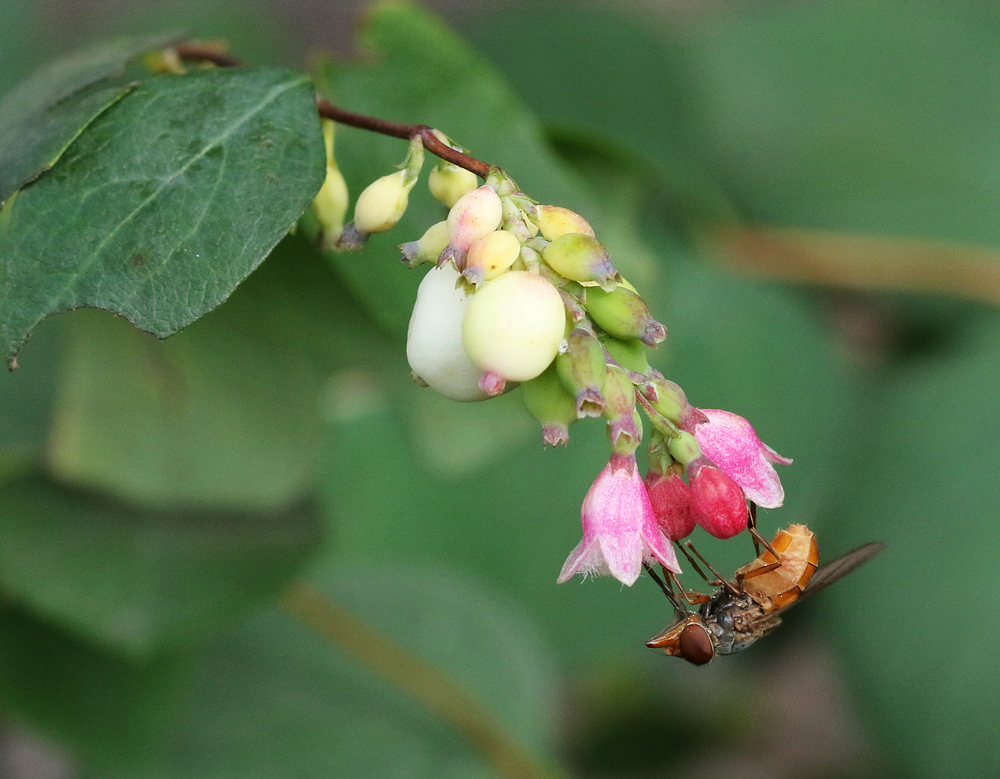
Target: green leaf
<point>875,117</point>
<point>139,581</point>
<point>36,144</point>
<point>329,715</point>
<point>227,413</point>
<point>41,116</point>
<point>916,627</point>
<point>418,71</point>
<point>166,202</point>
<point>106,710</point>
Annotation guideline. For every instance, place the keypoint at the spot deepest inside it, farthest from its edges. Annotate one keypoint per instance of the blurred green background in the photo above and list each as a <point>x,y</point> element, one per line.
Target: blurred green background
<point>806,194</point>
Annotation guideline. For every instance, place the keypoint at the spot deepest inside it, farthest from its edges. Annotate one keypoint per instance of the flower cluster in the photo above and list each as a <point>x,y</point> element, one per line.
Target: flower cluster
<point>524,294</point>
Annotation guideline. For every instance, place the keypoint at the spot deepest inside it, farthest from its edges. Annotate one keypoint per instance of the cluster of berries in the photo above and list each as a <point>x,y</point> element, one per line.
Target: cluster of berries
<point>523,294</point>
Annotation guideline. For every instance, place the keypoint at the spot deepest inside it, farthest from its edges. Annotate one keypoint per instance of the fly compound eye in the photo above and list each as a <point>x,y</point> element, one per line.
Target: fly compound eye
<point>695,644</point>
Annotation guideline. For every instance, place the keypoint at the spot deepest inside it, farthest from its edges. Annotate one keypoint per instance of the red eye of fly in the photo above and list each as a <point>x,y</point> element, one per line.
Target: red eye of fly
<point>696,645</point>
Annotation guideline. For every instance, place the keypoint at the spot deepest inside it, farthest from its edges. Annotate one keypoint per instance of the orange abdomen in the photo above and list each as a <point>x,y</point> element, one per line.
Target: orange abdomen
<point>799,558</point>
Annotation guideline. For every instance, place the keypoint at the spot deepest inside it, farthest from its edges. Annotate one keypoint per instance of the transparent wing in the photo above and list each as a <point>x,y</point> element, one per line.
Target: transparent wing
<point>837,569</point>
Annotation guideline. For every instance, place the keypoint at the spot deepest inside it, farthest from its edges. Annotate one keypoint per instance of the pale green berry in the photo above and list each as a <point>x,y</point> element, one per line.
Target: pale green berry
<point>514,325</point>
<point>556,221</point>
<point>434,340</point>
<point>383,202</point>
<point>491,255</point>
<point>448,182</point>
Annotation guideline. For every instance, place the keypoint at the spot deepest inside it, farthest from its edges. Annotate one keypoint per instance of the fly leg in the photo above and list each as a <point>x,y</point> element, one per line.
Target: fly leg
<point>679,611</point>
<point>758,541</point>
<point>718,581</point>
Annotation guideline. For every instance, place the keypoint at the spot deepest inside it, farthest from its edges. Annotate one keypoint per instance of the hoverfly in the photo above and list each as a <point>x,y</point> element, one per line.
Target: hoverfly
<point>743,610</point>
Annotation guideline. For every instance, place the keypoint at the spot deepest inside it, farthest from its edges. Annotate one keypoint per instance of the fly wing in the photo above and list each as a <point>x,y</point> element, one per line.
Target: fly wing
<point>837,569</point>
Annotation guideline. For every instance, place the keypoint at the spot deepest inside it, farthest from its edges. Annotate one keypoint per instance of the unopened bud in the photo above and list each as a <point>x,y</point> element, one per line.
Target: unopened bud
<point>383,202</point>
<point>330,206</point>
<point>624,425</point>
<point>428,247</point>
<point>581,258</point>
<point>630,354</point>
<point>670,497</point>
<point>475,215</point>
<point>491,255</point>
<point>448,182</point>
<point>514,325</point>
<point>434,340</point>
<point>684,448</point>
<point>556,221</point>
<point>548,401</point>
<point>623,314</point>
<point>582,368</point>
<point>717,502</point>
<point>669,400</point>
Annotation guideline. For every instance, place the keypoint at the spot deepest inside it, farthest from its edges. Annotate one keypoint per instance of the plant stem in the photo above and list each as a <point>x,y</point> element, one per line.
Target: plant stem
<point>206,53</point>
<point>416,677</point>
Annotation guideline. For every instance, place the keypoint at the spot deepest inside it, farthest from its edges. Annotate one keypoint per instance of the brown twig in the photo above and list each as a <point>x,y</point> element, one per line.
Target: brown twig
<point>433,144</point>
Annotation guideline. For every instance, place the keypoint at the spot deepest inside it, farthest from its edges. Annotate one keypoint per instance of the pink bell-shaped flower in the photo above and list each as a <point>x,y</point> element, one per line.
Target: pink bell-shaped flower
<point>619,528</point>
<point>717,502</point>
<point>671,500</point>
<point>730,442</point>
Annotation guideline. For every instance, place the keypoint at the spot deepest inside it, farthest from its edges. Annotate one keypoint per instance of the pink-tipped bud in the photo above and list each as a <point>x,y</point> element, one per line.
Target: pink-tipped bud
<point>717,502</point>
<point>581,258</point>
<point>548,401</point>
<point>624,425</point>
<point>669,399</point>
<point>475,215</point>
<point>582,368</point>
<point>556,221</point>
<point>623,314</point>
<point>428,247</point>
<point>671,499</point>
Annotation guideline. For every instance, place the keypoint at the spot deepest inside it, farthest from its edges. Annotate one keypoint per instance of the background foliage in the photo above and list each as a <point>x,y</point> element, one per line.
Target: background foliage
<point>806,194</point>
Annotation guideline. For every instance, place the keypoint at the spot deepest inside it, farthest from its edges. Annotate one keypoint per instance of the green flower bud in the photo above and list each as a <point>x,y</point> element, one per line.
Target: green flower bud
<point>448,182</point>
<point>582,369</point>
<point>428,247</point>
<point>684,448</point>
<point>630,354</point>
<point>548,401</point>
<point>624,425</point>
<point>669,399</point>
<point>491,255</point>
<point>330,206</point>
<point>581,258</point>
<point>434,339</point>
<point>383,202</point>
<point>514,325</point>
<point>556,221</point>
<point>623,314</point>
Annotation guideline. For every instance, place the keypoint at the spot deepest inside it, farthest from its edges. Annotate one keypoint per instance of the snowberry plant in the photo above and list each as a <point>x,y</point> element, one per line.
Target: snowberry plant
<point>517,294</point>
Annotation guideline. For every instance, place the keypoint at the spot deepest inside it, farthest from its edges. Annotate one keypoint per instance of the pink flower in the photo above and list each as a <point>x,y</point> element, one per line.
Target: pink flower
<point>717,502</point>
<point>730,442</point>
<point>619,528</point>
<point>671,500</point>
